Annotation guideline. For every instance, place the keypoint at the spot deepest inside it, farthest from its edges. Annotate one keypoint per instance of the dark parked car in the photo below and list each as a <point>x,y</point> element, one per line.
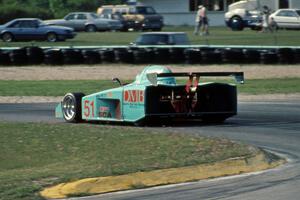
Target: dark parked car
<point>162,38</point>
<point>34,29</point>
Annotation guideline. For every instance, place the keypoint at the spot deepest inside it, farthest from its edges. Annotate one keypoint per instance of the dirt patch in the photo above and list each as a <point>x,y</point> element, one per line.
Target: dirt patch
<point>106,72</point>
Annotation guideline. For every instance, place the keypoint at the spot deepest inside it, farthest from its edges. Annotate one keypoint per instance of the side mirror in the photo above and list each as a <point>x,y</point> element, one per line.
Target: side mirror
<point>116,80</point>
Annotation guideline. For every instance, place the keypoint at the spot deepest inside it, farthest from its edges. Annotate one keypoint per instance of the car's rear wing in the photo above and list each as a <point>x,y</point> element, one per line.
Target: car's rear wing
<point>239,76</point>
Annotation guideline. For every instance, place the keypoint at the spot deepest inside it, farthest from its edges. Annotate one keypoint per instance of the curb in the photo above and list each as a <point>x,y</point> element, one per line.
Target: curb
<point>91,186</point>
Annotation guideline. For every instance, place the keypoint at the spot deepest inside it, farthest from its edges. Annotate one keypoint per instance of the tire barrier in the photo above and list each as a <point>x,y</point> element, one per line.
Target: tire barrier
<point>148,55</point>
<point>4,58</point>
<point>176,55</point>
<point>124,55</point>
<point>53,57</point>
<point>18,57</point>
<point>211,56</point>
<point>72,56</point>
<point>268,57</point>
<point>192,56</point>
<point>107,55</point>
<point>35,55</point>
<point>232,55</point>
<point>161,55</point>
<point>251,56</point>
<point>91,57</point>
<point>142,55</point>
<point>286,55</point>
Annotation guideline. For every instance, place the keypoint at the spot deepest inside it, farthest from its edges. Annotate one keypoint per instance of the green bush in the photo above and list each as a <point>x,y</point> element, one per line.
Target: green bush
<point>9,12</point>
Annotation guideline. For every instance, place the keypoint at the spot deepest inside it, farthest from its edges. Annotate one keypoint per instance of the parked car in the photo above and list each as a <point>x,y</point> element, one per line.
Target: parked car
<point>286,18</point>
<point>243,14</point>
<point>162,38</point>
<point>137,17</point>
<point>34,29</point>
<point>155,95</point>
<point>87,21</point>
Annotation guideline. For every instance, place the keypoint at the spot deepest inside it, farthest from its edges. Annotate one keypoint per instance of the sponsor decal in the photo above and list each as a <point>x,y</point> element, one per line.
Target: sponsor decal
<point>134,96</point>
<point>104,112</point>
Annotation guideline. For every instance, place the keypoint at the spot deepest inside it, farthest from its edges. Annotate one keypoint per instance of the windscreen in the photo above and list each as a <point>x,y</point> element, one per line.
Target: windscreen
<point>153,39</point>
<point>145,10</point>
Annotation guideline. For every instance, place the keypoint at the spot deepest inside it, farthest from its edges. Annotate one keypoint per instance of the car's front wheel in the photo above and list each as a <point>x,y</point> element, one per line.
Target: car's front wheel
<point>90,28</point>
<point>71,107</point>
<point>7,37</point>
<point>52,37</point>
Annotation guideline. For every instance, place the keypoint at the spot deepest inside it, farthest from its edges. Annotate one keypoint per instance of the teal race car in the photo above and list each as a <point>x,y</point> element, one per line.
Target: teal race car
<point>155,96</point>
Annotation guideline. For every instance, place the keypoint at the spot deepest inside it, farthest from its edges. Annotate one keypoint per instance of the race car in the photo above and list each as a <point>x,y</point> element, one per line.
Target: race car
<point>155,95</point>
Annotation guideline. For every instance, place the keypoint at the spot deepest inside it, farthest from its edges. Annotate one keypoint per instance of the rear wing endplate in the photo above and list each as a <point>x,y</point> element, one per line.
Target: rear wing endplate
<point>239,76</point>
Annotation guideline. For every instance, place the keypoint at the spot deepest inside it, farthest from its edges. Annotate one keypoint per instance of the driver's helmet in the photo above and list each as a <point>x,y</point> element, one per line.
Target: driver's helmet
<point>142,77</point>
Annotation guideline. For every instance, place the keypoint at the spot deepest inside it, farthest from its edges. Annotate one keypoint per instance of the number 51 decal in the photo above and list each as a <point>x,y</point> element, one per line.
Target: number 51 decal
<point>89,108</point>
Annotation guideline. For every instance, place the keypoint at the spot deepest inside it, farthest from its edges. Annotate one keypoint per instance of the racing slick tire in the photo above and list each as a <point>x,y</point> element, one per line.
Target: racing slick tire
<point>71,107</point>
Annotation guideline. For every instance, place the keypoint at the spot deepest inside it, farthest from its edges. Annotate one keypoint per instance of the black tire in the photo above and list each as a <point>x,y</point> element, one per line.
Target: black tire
<point>91,57</point>
<point>18,57</point>
<point>7,37</point>
<point>71,107</point>
<point>90,28</point>
<point>4,58</point>
<point>51,37</point>
<point>177,55</point>
<point>268,57</point>
<point>192,56</point>
<point>162,55</point>
<point>72,56</point>
<point>236,23</point>
<point>211,56</point>
<point>286,55</point>
<point>53,57</point>
<point>107,55</point>
<point>232,55</point>
<point>252,56</point>
<point>35,55</point>
<point>124,55</point>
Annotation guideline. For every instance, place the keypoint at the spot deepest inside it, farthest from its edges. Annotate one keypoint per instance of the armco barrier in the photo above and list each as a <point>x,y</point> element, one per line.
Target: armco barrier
<point>191,54</point>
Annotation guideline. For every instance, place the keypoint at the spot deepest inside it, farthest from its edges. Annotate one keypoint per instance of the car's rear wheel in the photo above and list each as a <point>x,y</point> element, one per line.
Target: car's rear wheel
<point>236,23</point>
<point>71,107</point>
<point>90,28</point>
<point>7,37</point>
<point>51,37</point>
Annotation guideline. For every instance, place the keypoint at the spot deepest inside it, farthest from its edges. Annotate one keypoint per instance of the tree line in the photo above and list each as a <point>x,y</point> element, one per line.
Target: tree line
<point>47,9</point>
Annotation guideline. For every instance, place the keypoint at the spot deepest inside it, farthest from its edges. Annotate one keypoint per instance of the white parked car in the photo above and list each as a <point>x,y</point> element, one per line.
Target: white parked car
<point>286,18</point>
<point>243,14</point>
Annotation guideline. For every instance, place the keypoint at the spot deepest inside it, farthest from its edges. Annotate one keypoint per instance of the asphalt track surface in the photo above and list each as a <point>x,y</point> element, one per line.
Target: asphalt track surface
<point>273,126</point>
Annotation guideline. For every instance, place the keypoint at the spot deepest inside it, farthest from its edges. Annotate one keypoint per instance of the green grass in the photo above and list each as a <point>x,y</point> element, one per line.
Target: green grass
<point>61,87</point>
<point>218,36</point>
<point>36,155</point>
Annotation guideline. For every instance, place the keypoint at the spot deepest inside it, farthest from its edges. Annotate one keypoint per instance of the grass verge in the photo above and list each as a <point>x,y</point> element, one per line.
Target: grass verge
<point>61,87</point>
<point>36,155</point>
<point>218,36</point>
